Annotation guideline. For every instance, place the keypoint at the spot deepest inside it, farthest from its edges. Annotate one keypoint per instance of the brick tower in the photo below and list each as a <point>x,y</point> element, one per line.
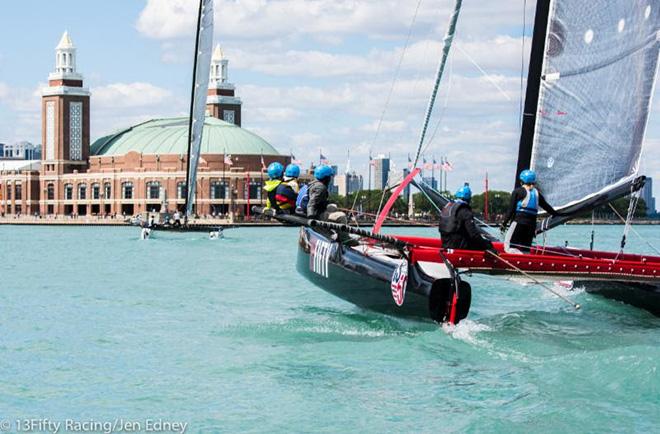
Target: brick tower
<point>65,115</point>
<point>221,101</point>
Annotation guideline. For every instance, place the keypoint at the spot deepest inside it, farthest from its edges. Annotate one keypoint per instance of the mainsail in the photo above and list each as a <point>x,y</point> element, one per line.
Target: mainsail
<point>591,77</point>
<point>201,71</point>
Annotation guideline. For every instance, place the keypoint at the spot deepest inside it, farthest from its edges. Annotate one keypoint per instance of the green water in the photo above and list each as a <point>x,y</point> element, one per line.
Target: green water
<point>225,336</point>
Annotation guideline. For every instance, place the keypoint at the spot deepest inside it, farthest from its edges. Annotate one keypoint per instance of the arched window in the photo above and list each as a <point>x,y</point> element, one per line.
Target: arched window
<point>50,192</point>
<point>68,192</point>
<point>127,190</point>
<point>181,190</point>
<point>96,191</point>
<point>82,191</point>
<point>107,190</point>
<point>153,190</point>
<point>219,190</point>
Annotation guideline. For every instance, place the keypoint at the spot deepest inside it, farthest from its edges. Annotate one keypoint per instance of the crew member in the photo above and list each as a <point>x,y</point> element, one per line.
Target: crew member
<point>524,207</point>
<point>281,196</point>
<point>457,226</point>
<point>291,174</point>
<point>318,206</point>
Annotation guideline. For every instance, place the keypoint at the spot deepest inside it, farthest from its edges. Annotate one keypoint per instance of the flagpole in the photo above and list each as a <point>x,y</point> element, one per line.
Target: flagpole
<point>369,190</point>
<point>486,216</point>
<point>433,172</point>
<point>247,180</point>
<point>446,187</point>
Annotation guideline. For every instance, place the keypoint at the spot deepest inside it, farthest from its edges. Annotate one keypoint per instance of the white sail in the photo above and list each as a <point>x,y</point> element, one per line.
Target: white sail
<point>202,69</point>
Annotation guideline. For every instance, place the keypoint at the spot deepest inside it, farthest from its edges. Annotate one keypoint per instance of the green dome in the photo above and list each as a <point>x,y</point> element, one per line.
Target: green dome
<point>170,136</point>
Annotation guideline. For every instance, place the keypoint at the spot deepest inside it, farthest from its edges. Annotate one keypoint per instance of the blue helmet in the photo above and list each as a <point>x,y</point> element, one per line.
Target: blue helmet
<point>275,170</point>
<point>321,172</point>
<point>292,171</point>
<point>464,193</point>
<point>528,176</point>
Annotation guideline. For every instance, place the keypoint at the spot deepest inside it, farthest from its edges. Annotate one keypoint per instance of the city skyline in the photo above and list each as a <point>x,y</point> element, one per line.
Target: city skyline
<point>311,75</point>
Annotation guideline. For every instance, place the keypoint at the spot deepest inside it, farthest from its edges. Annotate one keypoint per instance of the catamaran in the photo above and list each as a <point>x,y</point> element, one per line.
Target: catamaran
<point>591,76</point>
<point>201,72</point>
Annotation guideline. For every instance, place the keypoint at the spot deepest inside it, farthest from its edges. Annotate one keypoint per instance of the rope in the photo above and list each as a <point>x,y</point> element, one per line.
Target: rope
<point>396,73</point>
<point>634,231</point>
<point>538,282</point>
<point>522,62</point>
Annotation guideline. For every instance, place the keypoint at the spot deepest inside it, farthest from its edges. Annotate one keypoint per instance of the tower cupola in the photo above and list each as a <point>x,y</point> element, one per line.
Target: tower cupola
<point>221,101</point>
<point>65,60</point>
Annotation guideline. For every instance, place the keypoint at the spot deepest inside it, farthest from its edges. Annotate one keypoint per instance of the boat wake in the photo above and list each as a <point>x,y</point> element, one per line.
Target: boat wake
<point>466,331</point>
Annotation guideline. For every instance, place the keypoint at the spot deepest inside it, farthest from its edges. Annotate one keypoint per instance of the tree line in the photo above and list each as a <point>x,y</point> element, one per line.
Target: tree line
<point>370,201</point>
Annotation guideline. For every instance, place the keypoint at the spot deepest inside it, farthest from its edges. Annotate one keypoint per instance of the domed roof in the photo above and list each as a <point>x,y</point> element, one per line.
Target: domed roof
<point>170,136</point>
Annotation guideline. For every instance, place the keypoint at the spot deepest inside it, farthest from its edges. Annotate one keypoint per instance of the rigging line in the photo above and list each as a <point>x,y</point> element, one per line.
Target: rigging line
<point>633,229</point>
<point>448,39</point>
<point>535,280</point>
<point>483,72</point>
<point>396,72</point>
<point>445,105</point>
<point>522,62</point>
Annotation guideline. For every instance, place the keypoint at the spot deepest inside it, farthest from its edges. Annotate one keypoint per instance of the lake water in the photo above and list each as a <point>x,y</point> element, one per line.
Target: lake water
<point>225,336</point>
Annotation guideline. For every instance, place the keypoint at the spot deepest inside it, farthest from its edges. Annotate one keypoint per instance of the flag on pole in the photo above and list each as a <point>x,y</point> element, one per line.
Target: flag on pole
<point>228,161</point>
<point>295,161</point>
<point>263,164</point>
<point>322,159</point>
<point>410,163</point>
<point>427,166</point>
<point>436,165</point>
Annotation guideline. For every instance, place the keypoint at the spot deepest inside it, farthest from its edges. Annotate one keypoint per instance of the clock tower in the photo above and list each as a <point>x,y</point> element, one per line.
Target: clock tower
<point>65,115</point>
<point>221,101</point>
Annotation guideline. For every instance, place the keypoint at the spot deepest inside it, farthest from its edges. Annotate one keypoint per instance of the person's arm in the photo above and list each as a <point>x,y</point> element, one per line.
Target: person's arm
<point>546,206</point>
<point>314,202</point>
<point>466,216</point>
<point>512,207</point>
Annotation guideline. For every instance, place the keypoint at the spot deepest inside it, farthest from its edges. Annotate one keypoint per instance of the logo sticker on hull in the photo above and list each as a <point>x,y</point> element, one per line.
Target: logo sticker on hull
<point>320,257</point>
<point>399,282</point>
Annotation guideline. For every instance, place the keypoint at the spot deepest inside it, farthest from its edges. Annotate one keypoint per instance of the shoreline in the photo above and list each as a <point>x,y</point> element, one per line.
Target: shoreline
<point>94,221</point>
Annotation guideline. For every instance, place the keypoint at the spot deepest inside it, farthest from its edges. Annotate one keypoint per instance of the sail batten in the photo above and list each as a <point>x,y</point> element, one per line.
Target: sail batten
<point>201,73</point>
<point>593,99</point>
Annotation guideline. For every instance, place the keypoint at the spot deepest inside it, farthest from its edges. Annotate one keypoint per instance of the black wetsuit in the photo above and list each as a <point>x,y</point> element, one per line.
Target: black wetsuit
<point>524,220</point>
<point>458,229</point>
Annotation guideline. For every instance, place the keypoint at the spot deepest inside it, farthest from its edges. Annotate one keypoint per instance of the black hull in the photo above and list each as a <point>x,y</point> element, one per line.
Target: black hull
<point>642,295</point>
<point>366,280</point>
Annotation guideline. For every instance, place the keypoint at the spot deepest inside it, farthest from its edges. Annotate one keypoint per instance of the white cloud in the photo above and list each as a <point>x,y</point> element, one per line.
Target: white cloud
<point>4,91</point>
<point>385,126</point>
<point>123,95</point>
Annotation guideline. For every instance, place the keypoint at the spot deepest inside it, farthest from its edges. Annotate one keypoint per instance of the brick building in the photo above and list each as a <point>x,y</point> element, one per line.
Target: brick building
<point>140,168</point>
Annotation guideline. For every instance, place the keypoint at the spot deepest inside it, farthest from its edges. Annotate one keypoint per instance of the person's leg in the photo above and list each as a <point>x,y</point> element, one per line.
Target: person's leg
<point>522,237</point>
<point>509,239</point>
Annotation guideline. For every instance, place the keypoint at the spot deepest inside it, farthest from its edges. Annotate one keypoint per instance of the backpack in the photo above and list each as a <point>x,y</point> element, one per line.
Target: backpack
<point>303,199</point>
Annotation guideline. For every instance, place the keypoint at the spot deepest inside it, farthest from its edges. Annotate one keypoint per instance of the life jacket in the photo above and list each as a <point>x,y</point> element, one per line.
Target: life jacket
<point>303,198</point>
<point>293,183</point>
<point>530,204</point>
<point>285,196</point>
<point>271,190</point>
<point>448,222</point>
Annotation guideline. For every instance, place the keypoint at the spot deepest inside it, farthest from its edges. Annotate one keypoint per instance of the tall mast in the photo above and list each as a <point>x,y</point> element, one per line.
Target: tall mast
<point>448,39</point>
<point>533,85</point>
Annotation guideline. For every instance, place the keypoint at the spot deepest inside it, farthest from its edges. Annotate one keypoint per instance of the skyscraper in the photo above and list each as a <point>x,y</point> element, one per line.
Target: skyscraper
<point>647,195</point>
<point>381,171</point>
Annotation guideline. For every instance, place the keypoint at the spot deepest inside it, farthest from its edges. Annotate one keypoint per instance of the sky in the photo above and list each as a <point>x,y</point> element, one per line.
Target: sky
<point>333,75</point>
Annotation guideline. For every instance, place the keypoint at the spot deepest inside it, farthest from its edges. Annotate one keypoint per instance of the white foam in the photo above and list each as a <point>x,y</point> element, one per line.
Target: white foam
<point>466,330</point>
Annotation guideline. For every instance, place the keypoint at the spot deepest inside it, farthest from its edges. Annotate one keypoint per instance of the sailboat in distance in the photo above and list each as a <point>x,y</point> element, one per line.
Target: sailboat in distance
<point>591,77</point>
<point>201,73</point>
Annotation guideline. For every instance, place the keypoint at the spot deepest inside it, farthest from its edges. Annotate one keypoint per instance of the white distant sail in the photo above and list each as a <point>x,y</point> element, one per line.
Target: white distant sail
<point>202,70</point>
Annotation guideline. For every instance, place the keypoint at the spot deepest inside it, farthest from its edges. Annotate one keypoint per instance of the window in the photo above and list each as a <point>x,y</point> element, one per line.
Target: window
<point>127,190</point>
<point>82,191</point>
<point>181,190</point>
<point>219,190</point>
<point>68,192</point>
<point>50,189</point>
<point>228,116</point>
<point>107,190</point>
<point>8,191</point>
<point>96,191</point>
<point>153,190</point>
<point>18,188</point>
<point>254,190</point>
